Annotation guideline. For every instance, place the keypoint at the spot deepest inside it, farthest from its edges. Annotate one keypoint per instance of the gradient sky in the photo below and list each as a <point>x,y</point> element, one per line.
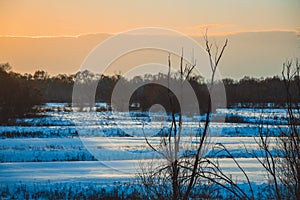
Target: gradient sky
<point>240,20</point>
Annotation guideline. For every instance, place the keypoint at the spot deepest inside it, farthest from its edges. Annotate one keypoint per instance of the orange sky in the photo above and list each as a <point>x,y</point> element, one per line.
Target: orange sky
<point>242,21</point>
<point>56,17</point>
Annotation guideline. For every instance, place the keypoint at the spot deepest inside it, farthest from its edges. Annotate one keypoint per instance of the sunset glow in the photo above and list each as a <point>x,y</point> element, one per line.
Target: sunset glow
<point>75,28</point>
<point>66,18</point>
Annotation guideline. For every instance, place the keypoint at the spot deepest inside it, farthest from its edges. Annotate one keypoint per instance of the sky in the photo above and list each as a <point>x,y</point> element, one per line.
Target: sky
<point>56,35</point>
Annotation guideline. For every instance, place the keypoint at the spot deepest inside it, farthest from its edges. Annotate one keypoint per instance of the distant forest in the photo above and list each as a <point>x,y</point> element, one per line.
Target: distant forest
<point>20,92</point>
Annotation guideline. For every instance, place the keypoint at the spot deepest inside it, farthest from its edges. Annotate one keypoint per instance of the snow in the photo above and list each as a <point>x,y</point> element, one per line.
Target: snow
<point>43,150</point>
<point>63,148</point>
<point>104,172</point>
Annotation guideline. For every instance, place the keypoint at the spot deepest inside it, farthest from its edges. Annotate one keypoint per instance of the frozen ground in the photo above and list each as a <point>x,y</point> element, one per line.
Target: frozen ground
<point>109,148</point>
<point>64,147</point>
<point>106,172</point>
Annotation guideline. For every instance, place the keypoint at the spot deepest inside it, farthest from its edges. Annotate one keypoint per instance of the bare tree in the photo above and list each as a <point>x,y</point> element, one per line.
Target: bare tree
<point>289,141</point>
<point>182,174</point>
<point>281,161</point>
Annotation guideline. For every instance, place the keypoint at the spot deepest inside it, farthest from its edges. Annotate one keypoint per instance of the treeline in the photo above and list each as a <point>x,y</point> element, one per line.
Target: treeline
<point>244,91</point>
<point>18,93</point>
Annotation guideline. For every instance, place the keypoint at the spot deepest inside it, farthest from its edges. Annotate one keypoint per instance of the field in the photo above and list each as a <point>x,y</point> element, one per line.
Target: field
<point>68,152</point>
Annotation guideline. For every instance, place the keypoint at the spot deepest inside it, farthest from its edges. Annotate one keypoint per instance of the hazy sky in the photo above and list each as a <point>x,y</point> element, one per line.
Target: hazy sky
<point>264,22</point>
<point>68,17</point>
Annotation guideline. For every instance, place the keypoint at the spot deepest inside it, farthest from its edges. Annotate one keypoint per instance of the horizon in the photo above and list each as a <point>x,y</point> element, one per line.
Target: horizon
<point>138,75</point>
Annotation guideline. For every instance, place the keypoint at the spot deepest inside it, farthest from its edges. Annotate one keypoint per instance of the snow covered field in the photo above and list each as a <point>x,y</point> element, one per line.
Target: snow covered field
<point>106,148</point>
<point>106,172</point>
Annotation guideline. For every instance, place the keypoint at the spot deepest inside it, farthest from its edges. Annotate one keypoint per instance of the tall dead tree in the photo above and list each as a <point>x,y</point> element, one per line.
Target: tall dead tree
<point>181,173</point>
<point>289,140</point>
<point>282,160</point>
